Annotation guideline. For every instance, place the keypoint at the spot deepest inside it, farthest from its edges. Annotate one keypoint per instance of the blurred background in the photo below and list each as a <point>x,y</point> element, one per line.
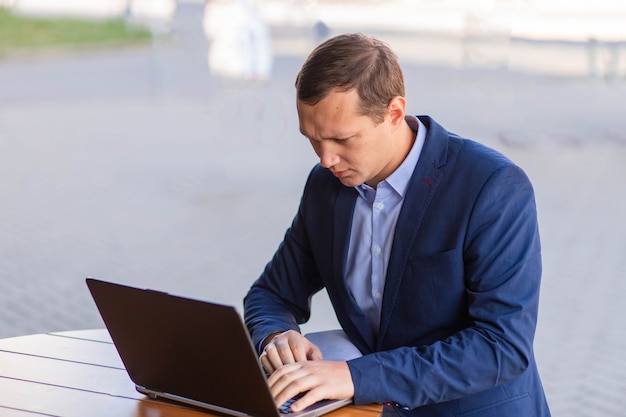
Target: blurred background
<point>155,143</point>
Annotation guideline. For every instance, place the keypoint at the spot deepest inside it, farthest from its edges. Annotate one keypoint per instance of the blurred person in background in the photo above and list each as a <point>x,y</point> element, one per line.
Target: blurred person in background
<point>426,242</point>
<point>239,40</point>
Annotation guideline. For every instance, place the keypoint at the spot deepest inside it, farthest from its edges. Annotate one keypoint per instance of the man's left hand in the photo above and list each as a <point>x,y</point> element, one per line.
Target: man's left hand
<point>319,379</point>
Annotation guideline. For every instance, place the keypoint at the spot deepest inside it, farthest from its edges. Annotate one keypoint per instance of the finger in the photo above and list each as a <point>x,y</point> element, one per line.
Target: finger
<point>310,398</point>
<point>273,357</point>
<point>280,378</point>
<point>320,380</point>
<point>287,382</point>
<point>284,352</point>
<point>314,354</point>
<point>294,383</point>
<point>265,362</point>
<point>304,350</point>
<point>299,351</point>
<point>301,347</point>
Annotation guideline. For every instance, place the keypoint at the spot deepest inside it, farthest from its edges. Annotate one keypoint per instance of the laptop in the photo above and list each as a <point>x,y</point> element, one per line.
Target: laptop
<point>189,351</point>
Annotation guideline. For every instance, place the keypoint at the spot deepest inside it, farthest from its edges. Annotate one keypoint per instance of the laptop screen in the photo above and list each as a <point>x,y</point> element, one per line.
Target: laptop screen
<point>185,347</point>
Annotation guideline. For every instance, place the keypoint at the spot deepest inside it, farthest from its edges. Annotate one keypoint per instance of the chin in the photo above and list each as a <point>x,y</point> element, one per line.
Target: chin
<point>350,182</point>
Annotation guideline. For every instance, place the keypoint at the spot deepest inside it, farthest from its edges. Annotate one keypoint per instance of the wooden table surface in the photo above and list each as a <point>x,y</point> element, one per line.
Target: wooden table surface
<point>78,374</point>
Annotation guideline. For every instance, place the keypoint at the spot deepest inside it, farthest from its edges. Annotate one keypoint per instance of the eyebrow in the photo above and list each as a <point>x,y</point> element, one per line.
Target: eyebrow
<point>332,137</point>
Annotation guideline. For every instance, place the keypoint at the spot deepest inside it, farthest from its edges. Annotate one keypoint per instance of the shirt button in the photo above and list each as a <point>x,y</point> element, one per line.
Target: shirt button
<point>380,206</point>
<point>378,294</point>
<point>377,250</point>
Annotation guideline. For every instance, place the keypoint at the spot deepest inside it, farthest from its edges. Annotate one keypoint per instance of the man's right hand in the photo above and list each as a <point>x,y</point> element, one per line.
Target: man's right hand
<point>288,347</point>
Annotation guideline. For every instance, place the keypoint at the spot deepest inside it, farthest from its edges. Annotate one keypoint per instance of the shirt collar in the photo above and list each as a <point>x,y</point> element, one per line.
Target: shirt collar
<point>399,179</point>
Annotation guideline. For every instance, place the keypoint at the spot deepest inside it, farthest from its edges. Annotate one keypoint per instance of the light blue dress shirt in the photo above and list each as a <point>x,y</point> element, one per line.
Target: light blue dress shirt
<point>373,226</point>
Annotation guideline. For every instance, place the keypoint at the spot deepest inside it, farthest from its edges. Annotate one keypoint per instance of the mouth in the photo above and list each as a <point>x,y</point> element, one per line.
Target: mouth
<point>341,174</point>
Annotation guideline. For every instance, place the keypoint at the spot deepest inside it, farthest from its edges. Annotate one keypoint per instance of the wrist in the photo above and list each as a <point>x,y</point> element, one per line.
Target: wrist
<point>269,338</point>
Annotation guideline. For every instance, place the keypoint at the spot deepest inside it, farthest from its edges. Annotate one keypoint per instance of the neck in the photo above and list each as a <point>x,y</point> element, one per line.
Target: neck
<point>406,138</point>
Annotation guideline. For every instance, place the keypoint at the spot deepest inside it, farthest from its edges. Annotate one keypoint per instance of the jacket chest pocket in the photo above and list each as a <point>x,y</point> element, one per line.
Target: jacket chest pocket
<point>431,294</point>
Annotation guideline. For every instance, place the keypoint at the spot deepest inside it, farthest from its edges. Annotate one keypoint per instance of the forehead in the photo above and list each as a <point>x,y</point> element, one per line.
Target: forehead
<point>335,116</point>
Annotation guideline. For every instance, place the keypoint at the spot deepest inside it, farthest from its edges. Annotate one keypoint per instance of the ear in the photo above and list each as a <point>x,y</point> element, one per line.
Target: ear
<point>396,110</point>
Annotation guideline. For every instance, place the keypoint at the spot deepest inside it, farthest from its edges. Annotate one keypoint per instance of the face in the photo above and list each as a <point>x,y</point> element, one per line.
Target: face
<point>352,146</point>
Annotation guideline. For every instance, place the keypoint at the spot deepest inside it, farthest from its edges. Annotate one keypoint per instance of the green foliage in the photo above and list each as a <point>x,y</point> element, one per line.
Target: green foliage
<point>29,33</point>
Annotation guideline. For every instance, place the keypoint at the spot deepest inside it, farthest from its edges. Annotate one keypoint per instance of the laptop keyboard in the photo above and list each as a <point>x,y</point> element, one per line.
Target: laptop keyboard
<point>286,407</point>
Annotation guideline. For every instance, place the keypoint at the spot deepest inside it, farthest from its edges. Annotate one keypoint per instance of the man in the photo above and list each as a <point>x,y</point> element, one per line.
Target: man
<point>426,242</point>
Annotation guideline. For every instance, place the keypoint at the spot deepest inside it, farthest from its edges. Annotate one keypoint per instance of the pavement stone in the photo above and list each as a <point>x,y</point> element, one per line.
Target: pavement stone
<point>138,166</point>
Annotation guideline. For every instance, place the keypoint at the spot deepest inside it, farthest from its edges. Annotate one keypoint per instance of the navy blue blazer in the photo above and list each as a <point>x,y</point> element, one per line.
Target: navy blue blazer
<point>461,295</point>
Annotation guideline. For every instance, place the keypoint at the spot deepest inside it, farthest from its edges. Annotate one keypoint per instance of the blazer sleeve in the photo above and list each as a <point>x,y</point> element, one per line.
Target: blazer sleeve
<point>280,299</point>
<point>502,269</point>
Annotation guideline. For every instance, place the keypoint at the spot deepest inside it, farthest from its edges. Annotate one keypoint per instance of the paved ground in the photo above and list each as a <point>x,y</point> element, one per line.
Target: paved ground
<point>138,166</point>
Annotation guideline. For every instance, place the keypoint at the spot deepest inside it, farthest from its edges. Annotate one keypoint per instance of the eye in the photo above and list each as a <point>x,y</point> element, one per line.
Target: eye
<point>342,140</point>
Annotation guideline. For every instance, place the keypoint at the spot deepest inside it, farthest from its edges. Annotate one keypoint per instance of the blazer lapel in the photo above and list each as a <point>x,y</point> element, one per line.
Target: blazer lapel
<point>354,322</point>
<point>422,186</point>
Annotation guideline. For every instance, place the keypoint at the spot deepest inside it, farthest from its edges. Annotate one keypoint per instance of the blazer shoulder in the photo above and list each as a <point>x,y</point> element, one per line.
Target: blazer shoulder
<point>489,157</point>
<point>462,157</point>
<point>444,142</point>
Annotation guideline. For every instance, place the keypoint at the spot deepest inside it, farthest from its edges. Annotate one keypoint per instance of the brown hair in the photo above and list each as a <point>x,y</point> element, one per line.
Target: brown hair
<point>352,61</point>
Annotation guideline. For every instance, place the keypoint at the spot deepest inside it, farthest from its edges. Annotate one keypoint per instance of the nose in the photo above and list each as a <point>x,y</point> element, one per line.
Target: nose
<point>327,153</point>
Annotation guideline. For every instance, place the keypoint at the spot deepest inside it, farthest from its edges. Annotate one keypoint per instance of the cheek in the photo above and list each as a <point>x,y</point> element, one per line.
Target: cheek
<point>364,154</point>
